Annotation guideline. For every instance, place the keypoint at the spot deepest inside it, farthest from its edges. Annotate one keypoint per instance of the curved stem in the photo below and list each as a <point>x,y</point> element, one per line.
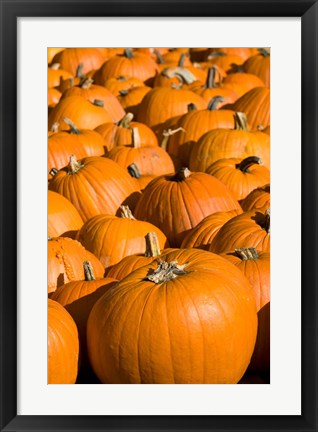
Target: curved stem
<point>88,271</point>
<point>181,60</point>
<point>240,120</point>
<point>74,165</point>
<point>159,56</point>
<point>53,171</point>
<point>247,253</point>
<point>152,245</point>
<point>264,52</point>
<point>246,163</point>
<point>134,171</point>
<point>98,103</point>
<point>125,121</point>
<point>126,213</point>
<point>79,71</point>
<point>128,53</point>
<point>210,82</point>
<point>214,102</point>
<point>74,129</point>
<point>167,134</point>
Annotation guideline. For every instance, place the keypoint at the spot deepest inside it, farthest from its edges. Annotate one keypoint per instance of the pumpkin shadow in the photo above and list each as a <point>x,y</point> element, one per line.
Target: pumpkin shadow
<point>131,201</point>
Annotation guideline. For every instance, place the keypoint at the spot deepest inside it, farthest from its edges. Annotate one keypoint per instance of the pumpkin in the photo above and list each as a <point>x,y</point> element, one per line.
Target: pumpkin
<point>53,97</point>
<point>63,218</point>
<point>65,262</point>
<point>256,267</point>
<point>143,180</point>
<point>256,106</point>
<point>240,176</point>
<point>112,238</point>
<point>71,58</point>
<point>244,53</point>
<point>241,82</point>
<point>118,83</point>
<point>177,203</point>
<point>151,160</point>
<point>63,345</point>
<point>55,75</point>
<point>130,99</point>
<point>92,92</point>
<point>79,297</point>
<point>134,64</point>
<point>173,57</point>
<point>51,53</point>
<point>81,142</point>
<point>84,114</point>
<point>132,262</point>
<point>95,185</point>
<point>259,65</point>
<point>249,229</point>
<point>119,134</point>
<point>258,199</point>
<point>196,123</point>
<point>189,320</point>
<point>224,61</point>
<point>202,235</point>
<point>224,143</point>
<point>162,103</point>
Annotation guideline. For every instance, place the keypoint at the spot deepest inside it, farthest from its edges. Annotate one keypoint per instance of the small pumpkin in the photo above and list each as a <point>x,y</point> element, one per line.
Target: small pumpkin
<point>240,176</point>
<point>71,58</point>
<point>112,238</point>
<point>63,218</point>
<point>176,203</point>
<point>259,65</point>
<point>63,345</point>
<point>130,99</point>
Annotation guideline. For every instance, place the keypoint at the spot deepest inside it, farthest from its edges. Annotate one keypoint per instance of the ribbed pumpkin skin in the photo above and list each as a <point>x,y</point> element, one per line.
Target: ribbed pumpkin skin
<point>221,143</point>
<point>100,186</point>
<point>131,101</point>
<point>115,135</point>
<point>150,160</point>
<point>63,345</point>
<point>257,272</point>
<point>63,218</point>
<point>78,298</point>
<point>256,105</point>
<point>82,112</point>
<point>244,53</point>
<point>139,66</point>
<point>127,265</point>
<point>177,206</point>
<point>71,58</point>
<point>202,235</point>
<point>162,103</point>
<point>197,328</point>
<point>239,183</point>
<point>112,238</point>
<point>65,262</point>
<point>121,82</point>
<point>62,145</point>
<point>259,65</point>
<point>195,124</point>
<point>258,199</point>
<point>111,104</point>
<point>244,230</point>
<point>241,83</point>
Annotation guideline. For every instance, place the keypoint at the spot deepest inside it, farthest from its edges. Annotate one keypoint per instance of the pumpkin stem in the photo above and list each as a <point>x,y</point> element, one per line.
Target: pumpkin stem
<point>74,165</point>
<point>264,52</point>
<point>134,171</point>
<point>152,245</point>
<point>214,102</point>
<point>260,128</point>
<point>55,127</point>
<point>86,83</point>
<point>182,74</point>
<point>246,163</point>
<point>191,107</point>
<point>159,56</point>
<point>53,171</point>
<point>181,60</point>
<point>176,86</point>
<point>240,120</point>
<point>98,103</point>
<point>55,66</point>
<point>247,253</point>
<point>79,71</point>
<point>123,92</point>
<point>88,271</point>
<point>166,134</point>
<point>216,54</point>
<point>166,272</point>
<point>121,78</point>
<point>135,137</point>
<point>181,174</point>
<point>210,82</point>
<point>74,129</point>
<point>128,53</point>
<point>125,121</point>
<point>126,213</point>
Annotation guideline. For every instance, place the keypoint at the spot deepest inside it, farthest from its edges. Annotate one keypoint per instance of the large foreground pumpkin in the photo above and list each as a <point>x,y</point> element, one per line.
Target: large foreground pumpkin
<point>192,319</point>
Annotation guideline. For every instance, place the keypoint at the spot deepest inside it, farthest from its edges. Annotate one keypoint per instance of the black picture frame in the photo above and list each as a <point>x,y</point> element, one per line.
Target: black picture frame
<point>10,11</point>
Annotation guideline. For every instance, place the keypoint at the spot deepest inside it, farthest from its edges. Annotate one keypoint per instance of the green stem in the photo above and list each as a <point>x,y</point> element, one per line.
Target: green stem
<point>88,271</point>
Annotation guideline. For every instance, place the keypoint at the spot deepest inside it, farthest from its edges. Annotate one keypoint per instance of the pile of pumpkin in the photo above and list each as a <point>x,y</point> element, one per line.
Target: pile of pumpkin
<point>158,215</point>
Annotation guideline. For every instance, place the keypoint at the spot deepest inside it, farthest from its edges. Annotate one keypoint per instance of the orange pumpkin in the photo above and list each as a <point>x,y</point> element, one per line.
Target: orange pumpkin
<point>259,65</point>
<point>193,320</point>
<point>71,58</point>
<point>112,238</point>
<point>240,176</point>
<point>249,229</point>
<point>55,75</point>
<point>121,82</point>
<point>63,218</point>
<point>258,199</point>
<point>63,345</point>
<point>51,53</point>
<point>95,185</point>
<point>143,180</point>
<point>130,99</point>
<point>177,203</point>
<point>241,82</point>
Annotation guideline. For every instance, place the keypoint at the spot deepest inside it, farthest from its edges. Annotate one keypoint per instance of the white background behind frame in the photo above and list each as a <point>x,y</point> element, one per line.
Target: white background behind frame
<point>283,395</point>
